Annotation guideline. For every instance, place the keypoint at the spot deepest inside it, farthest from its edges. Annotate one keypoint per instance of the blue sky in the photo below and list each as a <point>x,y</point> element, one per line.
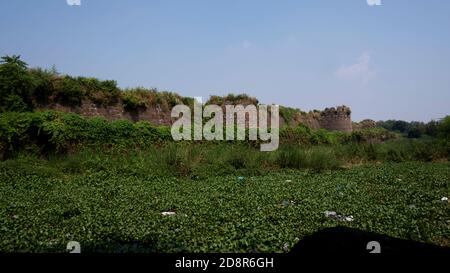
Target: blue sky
<point>386,62</point>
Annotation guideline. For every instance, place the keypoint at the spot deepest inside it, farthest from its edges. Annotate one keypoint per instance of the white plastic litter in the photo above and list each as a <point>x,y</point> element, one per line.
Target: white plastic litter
<point>167,213</point>
<point>330,214</point>
<point>444,199</point>
<point>335,216</point>
<point>349,218</point>
<point>288,202</point>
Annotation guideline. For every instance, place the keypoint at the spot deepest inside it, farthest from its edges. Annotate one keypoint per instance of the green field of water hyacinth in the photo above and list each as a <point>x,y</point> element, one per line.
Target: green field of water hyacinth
<point>44,204</point>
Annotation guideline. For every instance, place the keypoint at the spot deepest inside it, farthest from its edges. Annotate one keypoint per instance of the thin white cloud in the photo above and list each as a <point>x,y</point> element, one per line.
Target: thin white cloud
<point>360,70</point>
<point>73,2</point>
<point>374,2</point>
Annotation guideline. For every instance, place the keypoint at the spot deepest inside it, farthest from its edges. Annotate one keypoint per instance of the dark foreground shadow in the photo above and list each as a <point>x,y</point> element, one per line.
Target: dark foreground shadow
<point>350,242</point>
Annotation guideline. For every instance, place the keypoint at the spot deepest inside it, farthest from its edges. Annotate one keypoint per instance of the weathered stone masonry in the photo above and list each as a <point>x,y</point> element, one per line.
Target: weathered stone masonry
<point>334,119</point>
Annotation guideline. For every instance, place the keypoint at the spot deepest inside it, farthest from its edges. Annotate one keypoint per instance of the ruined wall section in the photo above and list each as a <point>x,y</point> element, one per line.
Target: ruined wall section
<point>154,114</point>
<point>333,119</point>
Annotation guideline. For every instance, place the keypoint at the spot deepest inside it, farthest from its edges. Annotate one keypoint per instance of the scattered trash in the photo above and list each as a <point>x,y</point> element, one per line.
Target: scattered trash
<point>287,203</point>
<point>335,216</point>
<point>349,218</point>
<point>398,179</point>
<point>340,189</point>
<point>167,213</point>
<point>444,199</point>
<point>15,216</point>
<point>330,214</point>
<point>286,247</point>
<point>288,180</point>
<point>240,178</point>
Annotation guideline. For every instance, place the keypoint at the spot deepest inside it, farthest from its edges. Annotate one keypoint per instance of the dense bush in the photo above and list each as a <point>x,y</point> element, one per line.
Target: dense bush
<point>304,135</point>
<point>16,85</point>
<point>444,128</point>
<point>443,133</point>
<point>69,91</point>
<point>167,100</point>
<point>44,84</point>
<point>370,135</point>
<point>141,98</point>
<point>61,132</point>
<point>101,92</point>
<point>15,132</point>
<point>135,99</point>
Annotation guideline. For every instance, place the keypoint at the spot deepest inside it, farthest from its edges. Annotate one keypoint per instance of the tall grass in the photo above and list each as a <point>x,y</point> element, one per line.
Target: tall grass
<point>399,150</point>
<point>203,160</point>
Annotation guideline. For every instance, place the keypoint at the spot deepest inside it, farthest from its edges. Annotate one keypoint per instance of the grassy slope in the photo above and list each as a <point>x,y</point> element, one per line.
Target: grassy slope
<point>43,206</point>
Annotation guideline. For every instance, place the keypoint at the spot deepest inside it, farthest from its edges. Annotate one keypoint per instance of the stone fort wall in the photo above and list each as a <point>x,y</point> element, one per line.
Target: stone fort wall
<point>333,119</point>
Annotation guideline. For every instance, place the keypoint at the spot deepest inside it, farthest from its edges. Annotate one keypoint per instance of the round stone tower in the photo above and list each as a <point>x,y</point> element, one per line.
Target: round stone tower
<point>336,119</point>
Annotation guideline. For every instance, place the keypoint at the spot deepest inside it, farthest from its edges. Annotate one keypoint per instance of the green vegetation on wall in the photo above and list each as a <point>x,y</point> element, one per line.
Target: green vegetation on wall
<point>288,113</point>
<point>51,131</point>
<point>232,99</point>
<point>23,89</point>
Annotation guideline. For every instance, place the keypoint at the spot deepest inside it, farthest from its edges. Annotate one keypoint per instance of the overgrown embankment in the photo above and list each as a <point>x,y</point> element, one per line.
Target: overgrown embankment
<point>58,132</point>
